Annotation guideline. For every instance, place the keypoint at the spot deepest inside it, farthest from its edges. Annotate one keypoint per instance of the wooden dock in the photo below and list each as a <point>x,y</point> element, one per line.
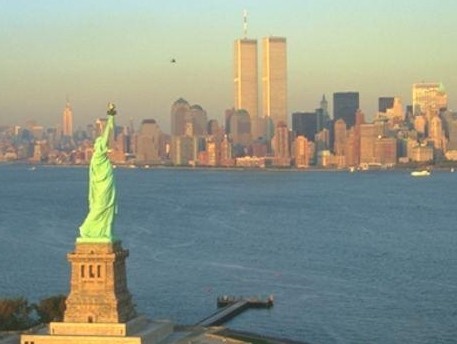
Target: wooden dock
<point>230,307</point>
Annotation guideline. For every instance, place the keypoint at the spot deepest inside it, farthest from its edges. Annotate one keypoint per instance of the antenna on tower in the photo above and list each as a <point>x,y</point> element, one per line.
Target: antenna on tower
<point>245,24</point>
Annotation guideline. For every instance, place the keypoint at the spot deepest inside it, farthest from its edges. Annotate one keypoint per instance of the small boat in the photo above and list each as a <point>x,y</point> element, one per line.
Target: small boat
<point>423,173</point>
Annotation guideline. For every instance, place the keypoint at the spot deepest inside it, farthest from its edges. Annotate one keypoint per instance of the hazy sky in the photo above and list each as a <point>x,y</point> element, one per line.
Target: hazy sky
<point>120,51</point>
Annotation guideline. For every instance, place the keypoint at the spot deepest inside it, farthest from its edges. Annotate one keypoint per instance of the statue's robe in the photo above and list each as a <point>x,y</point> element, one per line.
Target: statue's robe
<point>99,222</point>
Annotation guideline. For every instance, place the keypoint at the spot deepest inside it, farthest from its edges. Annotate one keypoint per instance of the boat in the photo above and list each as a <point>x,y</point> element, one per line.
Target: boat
<point>423,173</point>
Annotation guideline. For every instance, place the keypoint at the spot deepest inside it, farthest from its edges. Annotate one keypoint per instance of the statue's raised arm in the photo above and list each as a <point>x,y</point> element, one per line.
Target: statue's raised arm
<point>99,223</point>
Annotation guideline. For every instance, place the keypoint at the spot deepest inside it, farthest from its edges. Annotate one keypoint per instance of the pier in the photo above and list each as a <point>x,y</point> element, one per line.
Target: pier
<point>230,307</point>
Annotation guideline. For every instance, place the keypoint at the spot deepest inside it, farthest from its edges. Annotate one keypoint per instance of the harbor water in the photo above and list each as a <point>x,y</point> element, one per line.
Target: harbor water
<point>366,257</point>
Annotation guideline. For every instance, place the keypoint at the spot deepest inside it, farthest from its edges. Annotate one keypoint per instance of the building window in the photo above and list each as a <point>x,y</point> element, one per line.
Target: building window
<point>99,271</point>
<point>83,267</point>
<point>91,271</point>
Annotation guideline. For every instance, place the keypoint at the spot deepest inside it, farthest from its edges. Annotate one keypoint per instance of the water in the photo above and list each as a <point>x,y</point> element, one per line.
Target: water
<point>350,258</point>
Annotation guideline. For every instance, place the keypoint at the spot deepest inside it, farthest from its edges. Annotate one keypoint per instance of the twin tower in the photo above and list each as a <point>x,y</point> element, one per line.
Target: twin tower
<point>273,81</point>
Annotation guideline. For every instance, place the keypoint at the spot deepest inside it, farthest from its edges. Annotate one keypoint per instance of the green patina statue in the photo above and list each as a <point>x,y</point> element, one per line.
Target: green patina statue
<point>99,223</point>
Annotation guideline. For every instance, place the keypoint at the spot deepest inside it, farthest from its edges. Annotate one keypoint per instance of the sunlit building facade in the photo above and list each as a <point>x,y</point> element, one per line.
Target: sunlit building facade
<point>67,121</point>
<point>148,142</point>
<point>274,79</point>
<point>179,116</point>
<point>281,145</point>
<point>428,99</point>
<point>245,77</point>
<point>301,152</point>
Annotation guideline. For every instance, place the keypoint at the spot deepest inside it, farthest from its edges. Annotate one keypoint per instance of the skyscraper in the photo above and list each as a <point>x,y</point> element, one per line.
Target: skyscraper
<point>345,105</point>
<point>179,115</point>
<point>305,124</point>
<point>281,145</point>
<point>385,103</point>
<point>148,142</point>
<point>245,78</point>
<point>429,98</point>
<point>274,79</point>
<point>67,121</point>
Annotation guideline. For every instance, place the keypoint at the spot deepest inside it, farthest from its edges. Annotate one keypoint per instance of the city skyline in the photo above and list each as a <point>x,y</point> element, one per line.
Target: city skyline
<point>95,53</point>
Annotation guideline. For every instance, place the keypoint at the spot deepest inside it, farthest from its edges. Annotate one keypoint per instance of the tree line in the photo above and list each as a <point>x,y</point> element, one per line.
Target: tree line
<point>18,314</point>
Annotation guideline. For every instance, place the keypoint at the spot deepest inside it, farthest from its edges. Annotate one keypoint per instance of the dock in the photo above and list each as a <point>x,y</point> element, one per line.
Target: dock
<point>230,307</point>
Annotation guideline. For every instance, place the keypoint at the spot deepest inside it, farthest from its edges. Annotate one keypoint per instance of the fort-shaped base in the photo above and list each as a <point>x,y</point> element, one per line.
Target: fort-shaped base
<point>98,292</point>
<point>137,331</point>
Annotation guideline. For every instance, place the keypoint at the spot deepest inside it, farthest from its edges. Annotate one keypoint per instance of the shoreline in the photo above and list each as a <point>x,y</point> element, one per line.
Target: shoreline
<point>442,168</point>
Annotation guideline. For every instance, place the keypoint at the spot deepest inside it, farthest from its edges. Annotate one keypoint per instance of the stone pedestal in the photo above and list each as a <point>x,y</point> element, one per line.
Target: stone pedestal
<point>99,292</point>
<point>99,308</point>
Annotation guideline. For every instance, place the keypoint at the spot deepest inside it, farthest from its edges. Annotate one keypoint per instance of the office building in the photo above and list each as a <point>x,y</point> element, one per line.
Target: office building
<point>301,152</point>
<point>199,120</point>
<point>340,137</point>
<point>385,151</point>
<point>281,146</point>
<point>305,124</point>
<point>148,142</point>
<point>367,141</point>
<point>245,77</point>
<point>67,121</point>
<point>179,116</point>
<point>345,106</point>
<point>428,99</point>
<point>274,79</point>
<point>240,128</point>
<point>385,103</point>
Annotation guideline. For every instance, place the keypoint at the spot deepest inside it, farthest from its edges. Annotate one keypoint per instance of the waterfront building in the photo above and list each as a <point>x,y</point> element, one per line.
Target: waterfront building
<point>184,150</point>
<point>213,151</point>
<point>340,137</point>
<point>420,124</point>
<point>67,121</point>
<point>213,127</point>
<point>121,148</point>
<point>428,99</point>
<point>305,124</point>
<point>148,142</point>
<point>394,113</point>
<point>351,149</point>
<point>274,79</point>
<point>323,117</point>
<point>226,153</point>
<point>367,141</point>
<point>259,148</point>
<point>452,129</point>
<point>436,133</point>
<point>199,120</point>
<point>250,162</point>
<point>179,116</point>
<point>385,151</point>
<point>420,152</point>
<point>301,152</point>
<point>345,106</point>
<point>281,146</point>
<point>322,140</point>
<point>385,103</point>
<point>240,128</point>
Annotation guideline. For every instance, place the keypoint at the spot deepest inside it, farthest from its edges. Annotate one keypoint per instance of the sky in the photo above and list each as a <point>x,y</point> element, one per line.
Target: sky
<point>95,52</point>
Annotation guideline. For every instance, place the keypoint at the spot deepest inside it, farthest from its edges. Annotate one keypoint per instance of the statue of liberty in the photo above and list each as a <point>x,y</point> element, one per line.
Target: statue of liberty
<point>99,223</point>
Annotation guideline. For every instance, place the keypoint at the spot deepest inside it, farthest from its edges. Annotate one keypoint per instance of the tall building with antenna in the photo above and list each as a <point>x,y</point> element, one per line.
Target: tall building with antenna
<point>245,78</point>
<point>67,120</point>
<point>274,79</point>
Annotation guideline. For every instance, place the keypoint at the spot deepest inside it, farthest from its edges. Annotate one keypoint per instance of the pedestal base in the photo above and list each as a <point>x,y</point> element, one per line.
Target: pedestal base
<point>137,331</point>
